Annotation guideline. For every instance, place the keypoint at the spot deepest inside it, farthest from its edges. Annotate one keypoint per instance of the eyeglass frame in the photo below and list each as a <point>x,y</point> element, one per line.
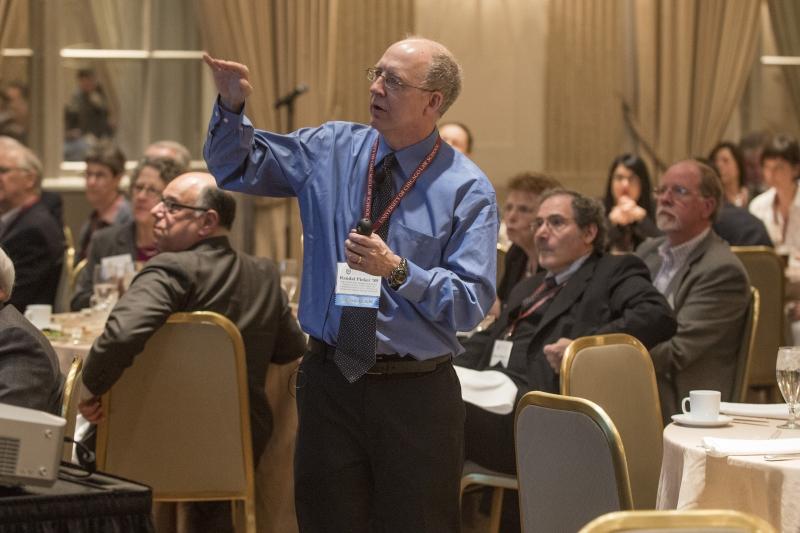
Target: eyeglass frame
<point>151,192</point>
<point>556,223</point>
<point>6,170</point>
<point>678,192</point>
<point>390,81</point>
<point>172,207</point>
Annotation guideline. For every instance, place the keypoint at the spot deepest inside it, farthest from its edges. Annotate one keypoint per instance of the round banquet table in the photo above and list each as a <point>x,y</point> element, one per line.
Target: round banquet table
<point>690,479</point>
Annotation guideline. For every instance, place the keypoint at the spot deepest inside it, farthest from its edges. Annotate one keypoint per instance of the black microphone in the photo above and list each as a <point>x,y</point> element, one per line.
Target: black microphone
<point>364,227</point>
<point>289,97</point>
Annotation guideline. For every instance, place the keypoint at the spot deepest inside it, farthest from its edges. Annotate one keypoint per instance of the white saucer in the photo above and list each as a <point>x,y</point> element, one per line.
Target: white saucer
<point>687,420</point>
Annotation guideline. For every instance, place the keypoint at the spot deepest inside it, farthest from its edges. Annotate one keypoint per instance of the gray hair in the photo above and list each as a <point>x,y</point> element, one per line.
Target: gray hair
<point>6,274</point>
<point>587,211</point>
<point>444,75</point>
<point>710,186</point>
<point>23,157</point>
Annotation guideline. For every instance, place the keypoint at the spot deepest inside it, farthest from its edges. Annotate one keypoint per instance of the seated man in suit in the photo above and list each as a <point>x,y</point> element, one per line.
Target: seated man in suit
<point>197,270</point>
<point>29,233</point>
<point>703,281</point>
<point>582,292</point>
<point>29,372</point>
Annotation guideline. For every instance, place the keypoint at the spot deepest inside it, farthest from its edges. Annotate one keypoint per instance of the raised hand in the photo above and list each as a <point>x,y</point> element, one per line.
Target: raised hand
<point>232,80</point>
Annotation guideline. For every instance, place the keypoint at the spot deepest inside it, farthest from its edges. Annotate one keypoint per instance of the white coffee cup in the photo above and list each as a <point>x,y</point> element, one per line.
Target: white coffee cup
<point>704,404</point>
<point>39,314</point>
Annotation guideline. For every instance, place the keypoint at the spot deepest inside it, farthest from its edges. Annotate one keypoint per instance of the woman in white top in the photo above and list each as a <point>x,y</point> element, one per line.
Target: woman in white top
<point>779,206</point>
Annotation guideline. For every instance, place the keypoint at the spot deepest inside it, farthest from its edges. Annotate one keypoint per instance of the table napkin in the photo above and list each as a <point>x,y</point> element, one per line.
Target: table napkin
<point>761,410</point>
<point>488,389</point>
<point>718,447</point>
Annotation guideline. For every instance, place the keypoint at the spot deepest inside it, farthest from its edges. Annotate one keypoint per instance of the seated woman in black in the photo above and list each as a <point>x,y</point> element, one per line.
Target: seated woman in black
<point>629,204</point>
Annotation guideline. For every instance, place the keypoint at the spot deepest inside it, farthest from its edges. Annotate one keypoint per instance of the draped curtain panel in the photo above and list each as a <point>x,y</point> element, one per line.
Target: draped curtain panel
<point>325,44</point>
<point>585,76</point>
<point>692,60</point>
<point>785,18</point>
<point>13,34</point>
<point>678,67</point>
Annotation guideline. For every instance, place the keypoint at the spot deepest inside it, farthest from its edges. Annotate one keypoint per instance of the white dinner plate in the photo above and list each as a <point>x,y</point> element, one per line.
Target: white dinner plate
<point>686,420</point>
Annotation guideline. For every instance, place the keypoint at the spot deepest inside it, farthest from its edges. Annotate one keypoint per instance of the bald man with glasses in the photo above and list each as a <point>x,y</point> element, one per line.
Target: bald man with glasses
<point>703,281</point>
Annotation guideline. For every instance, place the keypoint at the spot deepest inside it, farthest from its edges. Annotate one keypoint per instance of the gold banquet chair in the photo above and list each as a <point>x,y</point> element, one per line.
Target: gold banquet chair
<point>69,403</point>
<point>178,418</point>
<point>744,360</point>
<point>616,372</point>
<point>571,463</point>
<point>65,283</point>
<point>710,521</point>
<point>766,272</point>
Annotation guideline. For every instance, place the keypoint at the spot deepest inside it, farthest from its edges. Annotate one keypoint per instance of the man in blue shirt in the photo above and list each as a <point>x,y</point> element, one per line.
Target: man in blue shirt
<point>382,450</point>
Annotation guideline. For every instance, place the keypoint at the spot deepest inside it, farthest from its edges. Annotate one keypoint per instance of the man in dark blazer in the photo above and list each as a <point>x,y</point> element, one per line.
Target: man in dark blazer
<point>739,227</point>
<point>29,233</point>
<point>582,292</point>
<point>197,270</point>
<point>703,281</point>
<point>29,372</point>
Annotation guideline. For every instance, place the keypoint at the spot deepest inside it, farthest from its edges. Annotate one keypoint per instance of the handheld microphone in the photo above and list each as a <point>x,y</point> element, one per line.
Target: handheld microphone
<point>364,227</point>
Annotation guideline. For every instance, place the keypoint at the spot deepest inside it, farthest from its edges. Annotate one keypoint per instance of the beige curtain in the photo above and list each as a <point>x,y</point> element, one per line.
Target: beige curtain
<point>659,78</point>
<point>785,18</point>
<point>585,78</point>
<point>13,34</point>
<point>692,62</point>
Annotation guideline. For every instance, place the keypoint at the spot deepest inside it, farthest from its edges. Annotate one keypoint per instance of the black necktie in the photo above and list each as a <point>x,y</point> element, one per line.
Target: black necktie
<point>356,341</point>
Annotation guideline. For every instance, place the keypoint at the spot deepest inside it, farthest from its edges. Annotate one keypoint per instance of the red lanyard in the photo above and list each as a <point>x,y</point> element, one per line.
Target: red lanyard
<point>403,190</point>
<point>543,297</point>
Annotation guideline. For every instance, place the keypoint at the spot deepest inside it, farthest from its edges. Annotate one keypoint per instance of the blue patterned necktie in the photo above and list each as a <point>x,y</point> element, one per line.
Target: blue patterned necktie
<point>356,341</point>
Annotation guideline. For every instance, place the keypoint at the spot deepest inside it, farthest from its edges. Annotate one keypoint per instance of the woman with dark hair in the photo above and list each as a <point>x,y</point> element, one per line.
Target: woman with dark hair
<point>136,237</point>
<point>729,162</point>
<point>629,204</point>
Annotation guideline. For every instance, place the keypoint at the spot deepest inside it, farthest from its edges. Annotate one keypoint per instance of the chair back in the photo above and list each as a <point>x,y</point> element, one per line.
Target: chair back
<point>179,420</point>
<point>616,372</point>
<point>744,359</point>
<point>69,403</point>
<point>766,272</point>
<point>75,273</point>
<point>65,284</point>
<point>570,463</point>
<point>711,521</point>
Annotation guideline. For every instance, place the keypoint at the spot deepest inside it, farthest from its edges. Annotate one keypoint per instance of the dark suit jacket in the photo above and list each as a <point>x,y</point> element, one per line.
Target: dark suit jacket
<point>35,243</point>
<point>29,372</point>
<point>210,276</point>
<point>710,294</point>
<point>113,240</point>
<point>608,294</point>
<point>739,227</point>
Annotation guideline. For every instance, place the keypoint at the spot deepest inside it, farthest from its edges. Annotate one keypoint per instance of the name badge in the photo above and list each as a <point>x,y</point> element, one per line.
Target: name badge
<point>355,288</point>
<point>501,353</point>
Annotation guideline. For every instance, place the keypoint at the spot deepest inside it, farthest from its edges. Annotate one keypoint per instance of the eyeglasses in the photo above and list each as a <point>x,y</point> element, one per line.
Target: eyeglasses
<point>173,207</point>
<point>392,82</point>
<point>151,192</point>
<point>556,223</point>
<point>676,191</point>
<point>6,170</point>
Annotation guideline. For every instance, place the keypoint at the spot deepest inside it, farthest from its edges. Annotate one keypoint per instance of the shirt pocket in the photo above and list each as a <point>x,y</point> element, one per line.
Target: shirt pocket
<point>420,248</point>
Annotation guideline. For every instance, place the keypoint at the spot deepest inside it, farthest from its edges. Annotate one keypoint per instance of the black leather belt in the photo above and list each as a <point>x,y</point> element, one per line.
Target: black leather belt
<point>384,363</point>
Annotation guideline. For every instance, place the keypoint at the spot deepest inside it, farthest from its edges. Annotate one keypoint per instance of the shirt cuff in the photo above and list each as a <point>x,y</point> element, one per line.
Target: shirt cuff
<point>416,284</point>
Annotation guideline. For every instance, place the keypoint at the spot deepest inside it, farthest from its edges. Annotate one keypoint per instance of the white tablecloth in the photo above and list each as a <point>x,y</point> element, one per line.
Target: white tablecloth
<point>690,479</point>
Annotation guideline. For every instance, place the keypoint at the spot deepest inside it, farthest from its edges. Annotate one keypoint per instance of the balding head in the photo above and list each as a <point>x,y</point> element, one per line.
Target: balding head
<point>172,150</point>
<point>192,209</point>
<point>6,276</point>
<point>21,175</point>
<point>688,198</point>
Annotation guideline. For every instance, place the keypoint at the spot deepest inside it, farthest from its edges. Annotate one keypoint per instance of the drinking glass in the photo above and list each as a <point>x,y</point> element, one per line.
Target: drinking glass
<point>289,280</point>
<point>787,370</point>
<point>106,287</point>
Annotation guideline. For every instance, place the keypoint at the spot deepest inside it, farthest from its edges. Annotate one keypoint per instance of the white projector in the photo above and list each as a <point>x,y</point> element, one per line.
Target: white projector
<point>31,444</point>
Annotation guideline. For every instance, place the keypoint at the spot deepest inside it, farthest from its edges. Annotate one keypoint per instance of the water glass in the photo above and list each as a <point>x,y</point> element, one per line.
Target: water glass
<point>787,370</point>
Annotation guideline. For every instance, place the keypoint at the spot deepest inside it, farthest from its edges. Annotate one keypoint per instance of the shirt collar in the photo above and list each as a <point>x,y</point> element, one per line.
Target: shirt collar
<point>409,157</point>
<point>682,250</point>
<point>9,216</point>
<point>564,275</point>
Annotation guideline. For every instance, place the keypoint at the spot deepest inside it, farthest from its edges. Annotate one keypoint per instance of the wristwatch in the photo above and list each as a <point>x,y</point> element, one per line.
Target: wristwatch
<point>398,274</point>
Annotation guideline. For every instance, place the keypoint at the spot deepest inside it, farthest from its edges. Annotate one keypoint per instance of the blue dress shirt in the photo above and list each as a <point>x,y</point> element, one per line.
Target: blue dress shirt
<point>445,227</point>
